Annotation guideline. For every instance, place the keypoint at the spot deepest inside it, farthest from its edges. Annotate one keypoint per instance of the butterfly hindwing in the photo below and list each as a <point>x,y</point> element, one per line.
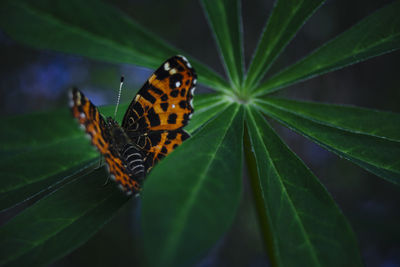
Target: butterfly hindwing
<point>159,144</point>
<point>95,126</point>
<point>90,119</point>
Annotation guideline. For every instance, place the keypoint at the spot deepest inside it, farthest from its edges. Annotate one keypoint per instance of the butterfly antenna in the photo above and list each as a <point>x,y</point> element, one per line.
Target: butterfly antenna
<point>119,96</point>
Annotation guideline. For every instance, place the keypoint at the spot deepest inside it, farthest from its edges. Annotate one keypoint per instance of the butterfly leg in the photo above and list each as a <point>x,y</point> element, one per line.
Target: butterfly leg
<point>100,162</point>
<point>108,179</point>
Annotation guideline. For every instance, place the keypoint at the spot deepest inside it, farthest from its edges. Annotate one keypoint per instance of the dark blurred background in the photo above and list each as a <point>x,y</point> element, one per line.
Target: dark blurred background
<point>33,80</point>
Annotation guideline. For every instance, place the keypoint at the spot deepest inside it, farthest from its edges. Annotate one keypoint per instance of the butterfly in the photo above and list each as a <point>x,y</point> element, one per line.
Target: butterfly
<point>152,126</point>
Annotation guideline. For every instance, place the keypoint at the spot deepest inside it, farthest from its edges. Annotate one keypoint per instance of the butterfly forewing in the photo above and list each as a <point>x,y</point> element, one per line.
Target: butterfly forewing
<point>161,108</point>
<point>165,100</point>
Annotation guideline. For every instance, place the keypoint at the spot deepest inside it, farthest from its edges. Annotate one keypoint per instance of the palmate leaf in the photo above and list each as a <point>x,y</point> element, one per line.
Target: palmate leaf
<point>225,21</point>
<point>191,198</point>
<point>301,223</point>
<point>360,143</point>
<point>93,29</point>
<point>377,34</point>
<point>277,33</point>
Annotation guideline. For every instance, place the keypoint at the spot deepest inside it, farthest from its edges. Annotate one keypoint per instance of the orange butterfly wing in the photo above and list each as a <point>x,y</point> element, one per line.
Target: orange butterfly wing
<point>94,124</point>
<point>165,101</point>
<point>161,108</point>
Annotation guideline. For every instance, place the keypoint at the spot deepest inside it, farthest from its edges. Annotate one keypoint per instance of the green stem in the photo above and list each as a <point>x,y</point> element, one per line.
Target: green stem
<point>261,210</point>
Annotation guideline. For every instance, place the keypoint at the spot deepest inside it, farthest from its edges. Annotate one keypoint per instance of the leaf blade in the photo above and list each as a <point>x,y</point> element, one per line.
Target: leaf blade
<point>198,179</point>
<point>286,19</point>
<point>60,222</point>
<point>373,153</point>
<point>93,29</point>
<point>350,118</point>
<point>32,140</point>
<point>376,34</point>
<point>205,109</point>
<point>224,17</point>
<point>291,197</point>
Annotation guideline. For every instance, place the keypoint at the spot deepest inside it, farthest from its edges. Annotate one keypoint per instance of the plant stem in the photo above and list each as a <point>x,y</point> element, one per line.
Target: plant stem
<point>261,209</point>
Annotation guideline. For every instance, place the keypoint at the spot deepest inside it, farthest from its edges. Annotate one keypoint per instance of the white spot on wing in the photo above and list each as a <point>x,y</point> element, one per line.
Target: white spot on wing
<point>186,61</point>
<point>177,84</point>
<point>82,115</point>
<point>195,81</point>
<point>183,58</point>
<point>166,66</point>
<point>173,105</point>
<point>173,71</point>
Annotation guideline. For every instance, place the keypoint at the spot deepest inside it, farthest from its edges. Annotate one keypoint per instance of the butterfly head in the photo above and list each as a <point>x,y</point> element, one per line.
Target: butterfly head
<point>119,136</point>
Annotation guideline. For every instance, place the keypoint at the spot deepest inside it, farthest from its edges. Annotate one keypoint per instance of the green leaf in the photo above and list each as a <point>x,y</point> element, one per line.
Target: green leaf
<point>205,108</point>
<point>39,150</point>
<point>286,19</point>
<point>377,123</point>
<point>93,29</point>
<point>60,222</point>
<point>301,223</point>
<point>376,154</point>
<point>377,34</point>
<point>225,21</point>
<point>191,197</point>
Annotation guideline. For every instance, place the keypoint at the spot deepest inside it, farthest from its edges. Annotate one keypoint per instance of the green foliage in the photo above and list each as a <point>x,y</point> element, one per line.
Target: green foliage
<point>297,209</point>
<point>93,29</point>
<point>190,198</point>
<point>277,33</point>
<point>375,35</point>
<point>363,146</point>
<point>32,139</point>
<point>225,21</point>
<point>189,204</point>
<point>58,223</point>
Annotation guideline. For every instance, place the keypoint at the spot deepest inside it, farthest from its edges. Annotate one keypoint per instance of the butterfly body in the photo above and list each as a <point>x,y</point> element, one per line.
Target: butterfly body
<point>151,128</point>
<point>130,154</point>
